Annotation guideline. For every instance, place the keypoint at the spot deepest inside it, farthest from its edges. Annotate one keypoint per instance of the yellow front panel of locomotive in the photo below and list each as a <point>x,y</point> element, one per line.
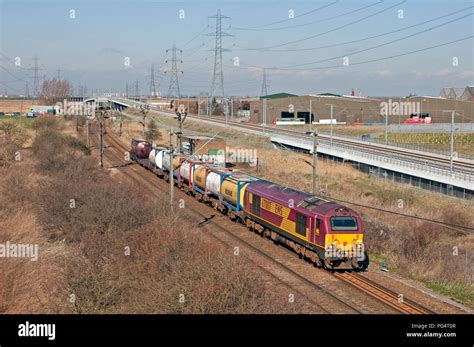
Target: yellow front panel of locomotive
<point>344,241</point>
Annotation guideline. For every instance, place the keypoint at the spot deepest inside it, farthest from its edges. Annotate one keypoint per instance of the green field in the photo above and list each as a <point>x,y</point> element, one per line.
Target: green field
<point>21,120</point>
<point>350,130</point>
<point>463,143</point>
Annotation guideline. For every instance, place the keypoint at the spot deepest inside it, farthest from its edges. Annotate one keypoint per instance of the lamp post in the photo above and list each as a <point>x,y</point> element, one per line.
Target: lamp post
<point>451,147</point>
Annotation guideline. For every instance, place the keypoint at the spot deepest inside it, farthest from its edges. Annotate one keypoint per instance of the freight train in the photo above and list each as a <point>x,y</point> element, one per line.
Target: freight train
<point>326,233</point>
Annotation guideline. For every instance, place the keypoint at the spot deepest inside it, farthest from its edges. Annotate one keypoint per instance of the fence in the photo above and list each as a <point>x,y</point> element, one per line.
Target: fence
<point>395,161</point>
<point>401,145</point>
<point>431,128</point>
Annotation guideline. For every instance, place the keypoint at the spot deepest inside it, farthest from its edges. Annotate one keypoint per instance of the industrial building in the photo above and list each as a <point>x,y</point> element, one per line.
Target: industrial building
<point>352,109</point>
<point>462,94</point>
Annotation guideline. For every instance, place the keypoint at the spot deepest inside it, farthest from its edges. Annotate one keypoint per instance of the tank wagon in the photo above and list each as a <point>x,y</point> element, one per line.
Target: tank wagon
<point>326,233</point>
<point>140,149</point>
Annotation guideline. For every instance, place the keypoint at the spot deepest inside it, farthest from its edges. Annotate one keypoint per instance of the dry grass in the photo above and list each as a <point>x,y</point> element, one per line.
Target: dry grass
<point>84,265</point>
<point>8,105</point>
<point>27,286</point>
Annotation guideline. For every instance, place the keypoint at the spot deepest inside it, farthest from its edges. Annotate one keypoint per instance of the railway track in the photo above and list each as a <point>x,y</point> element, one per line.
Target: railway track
<point>305,287</point>
<point>386,295</point>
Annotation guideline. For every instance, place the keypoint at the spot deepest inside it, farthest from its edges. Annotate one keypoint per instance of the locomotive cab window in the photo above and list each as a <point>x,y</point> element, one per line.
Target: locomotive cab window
<point>301,224</point>
<point>343,223</point>
<point>317,226</point>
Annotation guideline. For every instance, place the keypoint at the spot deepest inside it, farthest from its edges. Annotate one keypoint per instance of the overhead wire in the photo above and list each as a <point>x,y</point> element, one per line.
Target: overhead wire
<point>327,31</point>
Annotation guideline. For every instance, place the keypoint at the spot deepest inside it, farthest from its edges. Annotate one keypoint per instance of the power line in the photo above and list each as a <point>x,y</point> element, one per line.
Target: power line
<point>382,44</point>
<point>328,31</point>
<point>319,20</point>
<point>288,19</point>
<point>196,65</point>
<point>470,229</point>
<point>18,79</point>
<point>366,38</point>
<point>195,37</point>
<point>367,61</point>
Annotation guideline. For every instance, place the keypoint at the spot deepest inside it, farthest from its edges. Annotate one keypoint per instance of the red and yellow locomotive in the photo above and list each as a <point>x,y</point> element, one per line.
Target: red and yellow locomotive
<point>325,232</point>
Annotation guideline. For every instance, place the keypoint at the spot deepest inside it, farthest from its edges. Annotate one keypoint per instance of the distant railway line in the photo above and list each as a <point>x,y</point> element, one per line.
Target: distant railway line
<point>428,157</point>
<point>323,298</point>
<point>462,166</point>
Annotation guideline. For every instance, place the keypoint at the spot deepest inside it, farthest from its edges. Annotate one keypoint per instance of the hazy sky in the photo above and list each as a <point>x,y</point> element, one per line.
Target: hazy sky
<point>92,47</point>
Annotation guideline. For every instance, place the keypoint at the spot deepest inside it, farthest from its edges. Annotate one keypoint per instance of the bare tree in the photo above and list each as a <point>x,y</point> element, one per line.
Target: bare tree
<point>54,90</point>
<point>153,133</point>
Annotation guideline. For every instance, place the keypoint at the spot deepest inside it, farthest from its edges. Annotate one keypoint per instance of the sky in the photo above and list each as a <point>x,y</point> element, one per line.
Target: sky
<point>327,46</point>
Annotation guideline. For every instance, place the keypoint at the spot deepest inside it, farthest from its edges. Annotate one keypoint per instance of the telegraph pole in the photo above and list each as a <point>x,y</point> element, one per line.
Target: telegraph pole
<point>87,132</point>
<point>144,109</point>
<point>101,139</point>
<point>264,102</point>
<point>330,126</point>
<point>264,91</point>
<point>181,116</point>
<point>315,155</point>
<point>226,110</point>
<point>452,143</point>
<point>87,124</point>
<point>171,174</point>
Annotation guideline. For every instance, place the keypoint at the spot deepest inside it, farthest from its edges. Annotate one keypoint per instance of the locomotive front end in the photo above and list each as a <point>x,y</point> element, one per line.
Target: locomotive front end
<point>344,241</point>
